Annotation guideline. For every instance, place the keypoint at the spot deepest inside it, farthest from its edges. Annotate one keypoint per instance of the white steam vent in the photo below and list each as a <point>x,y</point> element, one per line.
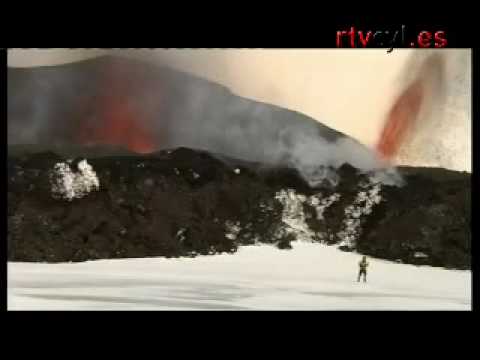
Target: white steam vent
<point>68,185</point>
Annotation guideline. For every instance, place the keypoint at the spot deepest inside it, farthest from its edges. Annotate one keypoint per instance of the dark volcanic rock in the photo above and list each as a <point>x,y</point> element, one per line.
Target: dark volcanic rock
<point>170,203</point>
<point>185,202</point>
<point>426,222</point>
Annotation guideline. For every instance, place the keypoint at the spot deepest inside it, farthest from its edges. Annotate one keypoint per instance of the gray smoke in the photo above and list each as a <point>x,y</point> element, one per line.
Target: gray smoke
<point>48,105</point>
<point>218,121</point>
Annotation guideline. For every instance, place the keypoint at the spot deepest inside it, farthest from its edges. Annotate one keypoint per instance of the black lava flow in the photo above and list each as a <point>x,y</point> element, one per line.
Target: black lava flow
<point>178,202</point>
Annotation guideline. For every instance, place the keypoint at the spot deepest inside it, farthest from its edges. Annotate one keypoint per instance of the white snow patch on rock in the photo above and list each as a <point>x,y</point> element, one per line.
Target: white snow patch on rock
<point>361,207</point>
<point>420,255</point>
<point>320,204</point>
<point>293,215</point>
<point>68,185</point>
<point>232,229</point>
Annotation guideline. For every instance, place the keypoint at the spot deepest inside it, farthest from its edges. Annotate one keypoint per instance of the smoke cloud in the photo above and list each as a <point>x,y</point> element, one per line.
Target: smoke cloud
<point>247,118</point>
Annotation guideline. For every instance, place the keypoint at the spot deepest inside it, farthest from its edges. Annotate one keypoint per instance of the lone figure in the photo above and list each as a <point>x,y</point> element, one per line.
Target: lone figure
<point>363,264</point>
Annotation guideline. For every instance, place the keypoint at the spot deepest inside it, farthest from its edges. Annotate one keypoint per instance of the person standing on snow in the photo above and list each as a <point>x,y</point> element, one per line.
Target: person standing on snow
<point>363,264</point>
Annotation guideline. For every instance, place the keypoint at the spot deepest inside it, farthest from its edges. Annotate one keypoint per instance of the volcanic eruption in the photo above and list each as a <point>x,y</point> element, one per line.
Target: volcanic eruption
<point>119,126</point>
<point>208,171</point>
<point>145,108</point>
<point>400,120</point>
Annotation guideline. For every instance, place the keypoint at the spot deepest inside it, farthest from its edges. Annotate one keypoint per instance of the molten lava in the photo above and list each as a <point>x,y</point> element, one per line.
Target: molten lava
<point>117,122</point>
<point>120,126</point>
<point>400,121</point>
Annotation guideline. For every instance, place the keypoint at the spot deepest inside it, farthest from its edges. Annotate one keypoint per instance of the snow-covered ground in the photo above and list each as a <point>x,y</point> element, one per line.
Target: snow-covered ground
<point>309,277</point>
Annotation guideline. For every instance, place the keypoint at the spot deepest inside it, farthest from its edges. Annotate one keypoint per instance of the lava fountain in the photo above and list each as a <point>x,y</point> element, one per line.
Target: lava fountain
<point>119,125</point>
<point>400,120</point>
<point>117,119</point>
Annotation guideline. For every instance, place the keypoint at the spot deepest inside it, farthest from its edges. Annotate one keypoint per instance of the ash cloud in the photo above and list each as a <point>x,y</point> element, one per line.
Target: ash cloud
<point>52,105</point>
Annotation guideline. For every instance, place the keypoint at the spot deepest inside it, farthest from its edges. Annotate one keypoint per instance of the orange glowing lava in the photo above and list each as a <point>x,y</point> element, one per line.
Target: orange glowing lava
<point>117,122</point>
<point>119,126</point>
<point>400,120</point>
